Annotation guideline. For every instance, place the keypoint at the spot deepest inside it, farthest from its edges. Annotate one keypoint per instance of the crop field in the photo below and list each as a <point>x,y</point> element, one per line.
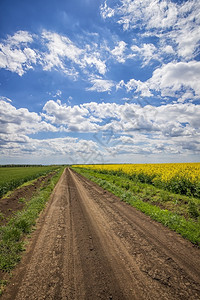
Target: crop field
<point>12,177</point>
<point>168,193</point>
<point>181,178</point>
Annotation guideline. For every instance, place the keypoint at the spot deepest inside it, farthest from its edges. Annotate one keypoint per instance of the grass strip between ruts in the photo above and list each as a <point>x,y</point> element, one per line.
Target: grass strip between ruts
<point>12,234</point>
<point>189,229</point>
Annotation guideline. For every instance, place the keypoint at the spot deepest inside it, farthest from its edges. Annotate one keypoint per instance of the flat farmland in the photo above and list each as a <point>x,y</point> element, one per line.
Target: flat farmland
<point>180,178</point>
<point>91,245</point>
<point>12,177</point>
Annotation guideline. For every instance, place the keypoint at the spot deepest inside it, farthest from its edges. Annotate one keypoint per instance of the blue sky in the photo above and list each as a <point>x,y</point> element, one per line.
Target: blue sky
<point>87,81</point>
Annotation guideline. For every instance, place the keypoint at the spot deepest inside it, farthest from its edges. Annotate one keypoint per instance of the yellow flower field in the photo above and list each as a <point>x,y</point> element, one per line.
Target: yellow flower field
<point>174,176</point>
<point>163,172</point>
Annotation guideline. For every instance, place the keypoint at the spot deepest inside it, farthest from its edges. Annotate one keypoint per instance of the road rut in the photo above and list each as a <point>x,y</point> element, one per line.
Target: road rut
<point>90,245</point>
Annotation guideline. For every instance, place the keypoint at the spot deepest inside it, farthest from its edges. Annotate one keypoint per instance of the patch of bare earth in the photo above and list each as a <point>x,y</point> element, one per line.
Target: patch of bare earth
<point>90,245</point>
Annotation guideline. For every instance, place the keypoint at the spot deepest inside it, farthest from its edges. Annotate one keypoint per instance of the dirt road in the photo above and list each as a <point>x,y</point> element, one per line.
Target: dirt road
<point>90,245</point>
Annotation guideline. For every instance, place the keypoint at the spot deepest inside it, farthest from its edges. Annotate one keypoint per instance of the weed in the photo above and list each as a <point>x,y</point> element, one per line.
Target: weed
<point>165,196</point>
<point>1,216</point>
<point>193,210</point>
<point>3,283</point>
<point>22,200</point>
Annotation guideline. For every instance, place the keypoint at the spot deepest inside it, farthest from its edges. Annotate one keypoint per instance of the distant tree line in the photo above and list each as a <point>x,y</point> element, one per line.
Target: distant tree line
<point>14,165</point>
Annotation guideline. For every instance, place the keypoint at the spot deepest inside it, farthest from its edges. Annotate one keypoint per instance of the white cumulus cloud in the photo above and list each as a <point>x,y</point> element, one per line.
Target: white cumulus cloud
<point>101,85</point>
<point>117,129</point>
<point>172,77</point>
<point>105,11</point>
<point>15,55</point>
<point>118,52</point>
<point>176,24</point>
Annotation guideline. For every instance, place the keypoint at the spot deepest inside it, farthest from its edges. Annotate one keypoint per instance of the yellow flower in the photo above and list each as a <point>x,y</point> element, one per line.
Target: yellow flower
<point>161,172</point>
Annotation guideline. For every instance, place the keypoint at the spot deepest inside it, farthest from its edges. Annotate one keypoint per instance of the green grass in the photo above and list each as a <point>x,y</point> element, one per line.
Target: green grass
<point>12,234</point>
<point>3,283</point>
<point>22,200</point>
<point>11,178</point>
<point>178,212</point>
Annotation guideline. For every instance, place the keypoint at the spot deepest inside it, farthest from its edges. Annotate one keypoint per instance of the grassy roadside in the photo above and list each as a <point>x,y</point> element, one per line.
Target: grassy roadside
<point>13,233</point>
<point>179,213</point>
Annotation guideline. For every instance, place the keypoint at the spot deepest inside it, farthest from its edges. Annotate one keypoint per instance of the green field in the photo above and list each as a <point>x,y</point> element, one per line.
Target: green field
<point>12,177</point>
